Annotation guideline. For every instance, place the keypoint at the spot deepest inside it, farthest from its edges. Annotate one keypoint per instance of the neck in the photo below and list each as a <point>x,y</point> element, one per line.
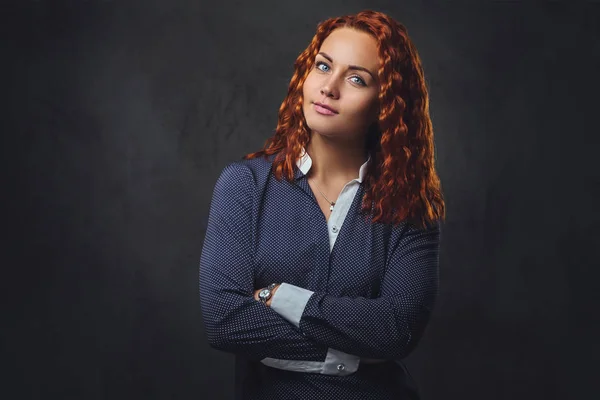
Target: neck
<point>335,162</point>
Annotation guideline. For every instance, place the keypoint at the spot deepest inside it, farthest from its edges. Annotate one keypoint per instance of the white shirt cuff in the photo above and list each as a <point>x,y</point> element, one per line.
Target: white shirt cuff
<point>289,302</point>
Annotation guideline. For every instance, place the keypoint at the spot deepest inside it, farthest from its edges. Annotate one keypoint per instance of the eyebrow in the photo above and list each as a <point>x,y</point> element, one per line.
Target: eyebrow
<point>356,67</point>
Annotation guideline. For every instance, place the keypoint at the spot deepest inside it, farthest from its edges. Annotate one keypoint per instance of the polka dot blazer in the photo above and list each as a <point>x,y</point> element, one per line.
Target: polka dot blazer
<point>354,300</point>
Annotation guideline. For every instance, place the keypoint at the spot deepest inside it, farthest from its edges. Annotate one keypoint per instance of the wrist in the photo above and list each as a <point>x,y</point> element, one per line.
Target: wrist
<point>268,303</point>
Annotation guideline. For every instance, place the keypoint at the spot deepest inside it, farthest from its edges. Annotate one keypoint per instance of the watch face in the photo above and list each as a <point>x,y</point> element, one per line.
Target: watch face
<point>264,293</point>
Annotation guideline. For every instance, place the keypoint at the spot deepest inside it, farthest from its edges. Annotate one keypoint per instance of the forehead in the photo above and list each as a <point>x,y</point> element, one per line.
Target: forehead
<point>351,47</point>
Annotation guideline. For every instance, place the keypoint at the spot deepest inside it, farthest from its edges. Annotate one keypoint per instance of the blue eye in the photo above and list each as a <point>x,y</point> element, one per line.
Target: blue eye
<point>361,82</point>
<point>319,63</point>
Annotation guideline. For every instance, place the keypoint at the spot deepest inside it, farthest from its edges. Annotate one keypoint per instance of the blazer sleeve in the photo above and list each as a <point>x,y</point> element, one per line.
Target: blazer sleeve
<point>234,321</point>
<point>387,327</point>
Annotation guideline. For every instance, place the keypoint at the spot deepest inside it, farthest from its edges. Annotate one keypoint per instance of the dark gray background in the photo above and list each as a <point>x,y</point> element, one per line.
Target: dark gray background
<point>120,115</point>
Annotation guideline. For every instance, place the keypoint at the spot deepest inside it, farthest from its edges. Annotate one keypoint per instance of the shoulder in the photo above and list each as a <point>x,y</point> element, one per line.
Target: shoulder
<point>243,175</point>
<point>235,177</point>
<point>421,228</point>
<point>423,237</point>
<point>411,233</point>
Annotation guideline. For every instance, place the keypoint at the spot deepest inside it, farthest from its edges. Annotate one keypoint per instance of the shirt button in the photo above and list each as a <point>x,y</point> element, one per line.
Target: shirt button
<point>341,367</point>
<point>334,229</point>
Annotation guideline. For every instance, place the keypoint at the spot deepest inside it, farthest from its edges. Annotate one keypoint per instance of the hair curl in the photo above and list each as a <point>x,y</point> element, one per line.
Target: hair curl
<point>401,181</point>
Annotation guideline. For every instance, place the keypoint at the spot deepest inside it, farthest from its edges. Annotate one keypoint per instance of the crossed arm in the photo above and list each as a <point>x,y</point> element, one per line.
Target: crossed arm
<point>290,305</point>
<point>234,321</point>
<point>387,327</point>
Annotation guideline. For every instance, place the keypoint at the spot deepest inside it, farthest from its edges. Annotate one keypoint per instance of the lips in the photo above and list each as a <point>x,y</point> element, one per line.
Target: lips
<point>327,107</point>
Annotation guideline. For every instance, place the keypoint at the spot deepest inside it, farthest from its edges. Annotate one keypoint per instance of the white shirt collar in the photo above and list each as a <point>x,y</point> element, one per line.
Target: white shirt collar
<point>304,162</point>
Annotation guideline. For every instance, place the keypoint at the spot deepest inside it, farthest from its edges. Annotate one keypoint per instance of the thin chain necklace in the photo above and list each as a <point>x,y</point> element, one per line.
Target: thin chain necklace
<point>332,203</point>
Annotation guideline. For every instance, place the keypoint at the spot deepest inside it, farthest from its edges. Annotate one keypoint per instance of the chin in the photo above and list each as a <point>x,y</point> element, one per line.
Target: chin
<point>322,127</point>
<point>327,133</point>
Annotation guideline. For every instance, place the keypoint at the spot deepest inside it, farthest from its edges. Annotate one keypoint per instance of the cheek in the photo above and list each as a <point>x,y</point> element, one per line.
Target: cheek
<point>363,106</point>
<point>309,84</point>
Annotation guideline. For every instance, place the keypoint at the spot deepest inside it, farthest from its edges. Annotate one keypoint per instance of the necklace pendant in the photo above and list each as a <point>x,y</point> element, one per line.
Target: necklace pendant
<point>331,207</point>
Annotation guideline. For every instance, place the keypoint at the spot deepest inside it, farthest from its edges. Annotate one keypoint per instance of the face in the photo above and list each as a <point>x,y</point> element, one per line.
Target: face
<point>344,77</point>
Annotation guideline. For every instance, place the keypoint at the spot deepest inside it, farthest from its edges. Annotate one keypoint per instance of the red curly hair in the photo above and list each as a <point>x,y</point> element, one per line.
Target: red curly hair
<point>401,181</point>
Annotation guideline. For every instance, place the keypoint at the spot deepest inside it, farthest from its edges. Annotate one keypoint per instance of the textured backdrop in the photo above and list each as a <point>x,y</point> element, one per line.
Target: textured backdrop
<point>121,115</point>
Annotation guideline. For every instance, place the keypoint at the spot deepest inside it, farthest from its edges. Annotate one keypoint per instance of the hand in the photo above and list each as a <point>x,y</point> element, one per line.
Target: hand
<point>272,294</point>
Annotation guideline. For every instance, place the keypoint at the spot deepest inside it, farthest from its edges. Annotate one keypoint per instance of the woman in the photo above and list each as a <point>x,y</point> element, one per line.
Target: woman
<point>319,269</point>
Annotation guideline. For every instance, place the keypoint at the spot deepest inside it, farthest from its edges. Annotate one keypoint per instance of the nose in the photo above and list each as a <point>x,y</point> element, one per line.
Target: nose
<point>329,89</point>
<point>325,91</point>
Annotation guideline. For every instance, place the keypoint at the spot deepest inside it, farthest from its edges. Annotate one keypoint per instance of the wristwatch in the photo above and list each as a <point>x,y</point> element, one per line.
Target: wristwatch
<point>266,293</point>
